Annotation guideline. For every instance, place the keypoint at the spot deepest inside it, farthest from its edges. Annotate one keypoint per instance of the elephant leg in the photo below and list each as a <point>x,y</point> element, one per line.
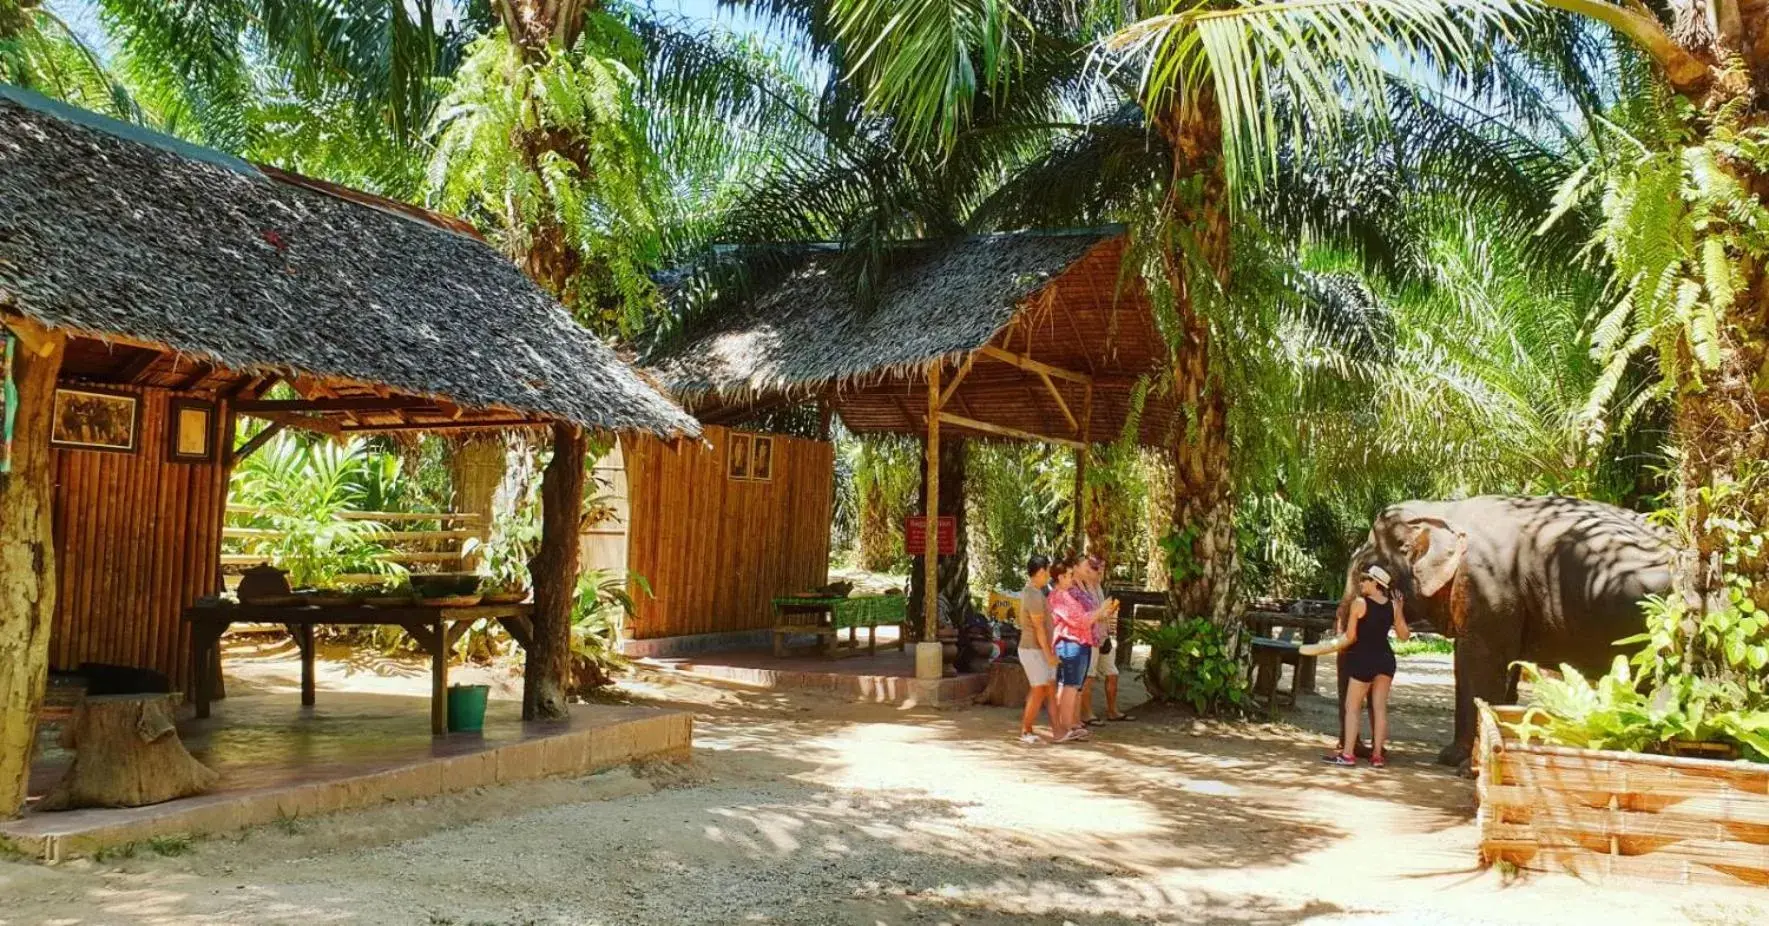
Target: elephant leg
<point>1483,671</point>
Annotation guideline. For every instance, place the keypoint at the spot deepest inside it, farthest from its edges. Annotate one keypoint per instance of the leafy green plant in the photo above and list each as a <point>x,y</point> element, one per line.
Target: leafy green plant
<point>1182,564</point>
<point>298,493</point>
<point>1616,712</point>
<point>1193,660</point>
<point>599,611</point>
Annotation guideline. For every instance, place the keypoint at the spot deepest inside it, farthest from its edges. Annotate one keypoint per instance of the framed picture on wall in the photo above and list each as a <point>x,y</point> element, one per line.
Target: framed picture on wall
<point>737,464</point>
<point>95,419</point>
<point>761,459</point>
<point>191,432</point>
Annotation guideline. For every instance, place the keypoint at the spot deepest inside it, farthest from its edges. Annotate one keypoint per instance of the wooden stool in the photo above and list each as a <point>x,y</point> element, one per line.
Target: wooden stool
<point>126,754</point>
<point>1269,658</point>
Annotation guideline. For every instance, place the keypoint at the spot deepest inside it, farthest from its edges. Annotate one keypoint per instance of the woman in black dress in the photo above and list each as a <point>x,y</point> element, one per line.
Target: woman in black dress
<point>1366,656</point>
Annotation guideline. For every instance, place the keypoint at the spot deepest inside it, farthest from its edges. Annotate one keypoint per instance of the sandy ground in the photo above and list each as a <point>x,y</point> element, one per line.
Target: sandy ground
<point>797,809</point>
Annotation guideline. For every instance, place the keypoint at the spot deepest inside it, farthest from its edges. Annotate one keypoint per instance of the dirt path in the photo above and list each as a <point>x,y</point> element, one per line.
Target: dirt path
<point>803,810</point>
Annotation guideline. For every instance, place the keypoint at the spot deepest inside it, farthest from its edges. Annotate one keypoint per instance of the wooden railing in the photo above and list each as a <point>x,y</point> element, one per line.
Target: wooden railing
<point>452,541</point>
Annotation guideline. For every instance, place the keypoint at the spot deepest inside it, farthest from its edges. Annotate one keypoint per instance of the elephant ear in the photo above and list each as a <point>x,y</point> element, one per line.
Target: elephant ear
<point>1435,551</point>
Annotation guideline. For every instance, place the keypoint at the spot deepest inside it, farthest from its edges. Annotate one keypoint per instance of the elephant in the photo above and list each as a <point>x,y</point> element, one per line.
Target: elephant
<point>1547,579</point>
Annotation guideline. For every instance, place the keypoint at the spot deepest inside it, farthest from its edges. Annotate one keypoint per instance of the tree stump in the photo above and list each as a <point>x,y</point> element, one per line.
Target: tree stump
<point>1007,685</point>
<point>126,754</point>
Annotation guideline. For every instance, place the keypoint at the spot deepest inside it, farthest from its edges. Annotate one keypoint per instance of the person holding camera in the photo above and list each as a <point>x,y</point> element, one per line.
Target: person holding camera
<point>1077,625</point>
<point>1091,574</point>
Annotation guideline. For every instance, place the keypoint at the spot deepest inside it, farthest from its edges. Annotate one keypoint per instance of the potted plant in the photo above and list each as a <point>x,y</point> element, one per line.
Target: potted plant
<point>504,556</point>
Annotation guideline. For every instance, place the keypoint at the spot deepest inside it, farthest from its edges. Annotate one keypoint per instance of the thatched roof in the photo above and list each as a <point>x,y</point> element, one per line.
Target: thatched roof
<point>938,300</point>
<point>113,232</point>
<point>982,308</point>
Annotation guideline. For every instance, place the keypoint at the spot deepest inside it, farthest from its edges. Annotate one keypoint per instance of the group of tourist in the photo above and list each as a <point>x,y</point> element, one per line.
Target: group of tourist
<point>1067,625</point>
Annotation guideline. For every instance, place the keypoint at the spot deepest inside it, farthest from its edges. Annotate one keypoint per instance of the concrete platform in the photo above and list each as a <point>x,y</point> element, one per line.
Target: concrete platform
<point>279,760</point>
<point>885,678</point>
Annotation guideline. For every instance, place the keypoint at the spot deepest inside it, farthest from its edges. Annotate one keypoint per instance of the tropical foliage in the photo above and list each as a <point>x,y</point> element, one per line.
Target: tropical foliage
<point>297,493</point>
<point>1193,661</point>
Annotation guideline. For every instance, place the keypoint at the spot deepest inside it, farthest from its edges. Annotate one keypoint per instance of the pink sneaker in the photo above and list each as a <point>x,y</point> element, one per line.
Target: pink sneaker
<point>1378,762</point>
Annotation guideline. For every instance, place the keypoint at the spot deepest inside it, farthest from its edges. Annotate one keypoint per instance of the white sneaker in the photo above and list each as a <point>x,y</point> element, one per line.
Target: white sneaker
<point>1030,739</point>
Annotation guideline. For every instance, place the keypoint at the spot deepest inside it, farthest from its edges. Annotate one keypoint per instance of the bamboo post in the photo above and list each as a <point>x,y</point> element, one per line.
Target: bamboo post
<point>27,552</point>
<point>1083,430</point>
<point>928,663</point>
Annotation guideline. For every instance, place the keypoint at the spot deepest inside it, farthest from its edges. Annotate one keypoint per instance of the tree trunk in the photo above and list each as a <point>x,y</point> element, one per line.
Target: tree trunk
<point>1721,417</point>
<point>27,557</point>
<point>1157,516</point>
<point>126,754</point>
<point>1203,562</point>
<point>547,677</point>
<point>955,569</point>
<point>881,539</point>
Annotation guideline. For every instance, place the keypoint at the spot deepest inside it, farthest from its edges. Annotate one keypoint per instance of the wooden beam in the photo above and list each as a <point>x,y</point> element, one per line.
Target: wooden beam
<point>1061,403</point>
<point>1004,431</point>
<point>257,440</point>
<point>362,404</point>
<point>444,425</point>
<point>1034,366</point>
<point>200,371</point>
<point>134,368</point>
<point>952,387</point>
<point>930,557</point>
<point>312,423</point>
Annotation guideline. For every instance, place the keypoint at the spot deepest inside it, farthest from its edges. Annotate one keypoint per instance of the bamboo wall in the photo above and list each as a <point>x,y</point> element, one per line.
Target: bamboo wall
<point>137,539</point>
<point>717,550</point>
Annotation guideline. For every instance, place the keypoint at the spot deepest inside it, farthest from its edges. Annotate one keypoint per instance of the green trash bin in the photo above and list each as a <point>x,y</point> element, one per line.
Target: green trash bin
<point>466,708</point>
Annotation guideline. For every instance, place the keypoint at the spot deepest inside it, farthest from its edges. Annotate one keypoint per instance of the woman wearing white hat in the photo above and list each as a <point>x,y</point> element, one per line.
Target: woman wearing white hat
<point>1367,658</point>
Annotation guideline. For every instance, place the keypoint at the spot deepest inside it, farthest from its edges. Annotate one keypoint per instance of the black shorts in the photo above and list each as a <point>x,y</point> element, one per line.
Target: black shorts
<point>1365,667</point>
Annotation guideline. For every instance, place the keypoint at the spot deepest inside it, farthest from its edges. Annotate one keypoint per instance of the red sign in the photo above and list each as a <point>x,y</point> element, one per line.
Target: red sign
<point>915,535</point>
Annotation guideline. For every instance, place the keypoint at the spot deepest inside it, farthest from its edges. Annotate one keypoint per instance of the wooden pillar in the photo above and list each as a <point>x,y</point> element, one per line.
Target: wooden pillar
<point>1083,428</point>
<point>930,559</point>
<point>825,419</point>
<point>547,678</point>
<point>27,554</point>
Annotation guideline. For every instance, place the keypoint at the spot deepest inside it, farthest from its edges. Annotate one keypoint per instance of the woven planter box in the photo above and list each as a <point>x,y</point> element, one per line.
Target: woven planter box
<point>1600,814</point>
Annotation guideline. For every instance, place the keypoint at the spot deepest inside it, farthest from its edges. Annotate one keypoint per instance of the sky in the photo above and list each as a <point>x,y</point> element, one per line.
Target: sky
<point>82,17</point>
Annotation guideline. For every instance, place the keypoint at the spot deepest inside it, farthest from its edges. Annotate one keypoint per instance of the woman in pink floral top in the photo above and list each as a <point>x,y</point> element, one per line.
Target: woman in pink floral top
<point>1075,628</point>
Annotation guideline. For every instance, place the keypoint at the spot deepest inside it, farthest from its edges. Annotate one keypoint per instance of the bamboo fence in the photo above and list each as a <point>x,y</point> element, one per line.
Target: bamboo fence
<point>1601,814</point>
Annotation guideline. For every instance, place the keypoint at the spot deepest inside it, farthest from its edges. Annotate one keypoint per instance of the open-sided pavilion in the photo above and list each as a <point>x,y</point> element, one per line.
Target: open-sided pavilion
<point>151,292</point>
<point>1035,336</point>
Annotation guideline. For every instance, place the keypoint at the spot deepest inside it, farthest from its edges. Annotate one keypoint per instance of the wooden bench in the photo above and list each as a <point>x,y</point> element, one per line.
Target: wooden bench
<point>1269,659</point>
<point>826,636</point>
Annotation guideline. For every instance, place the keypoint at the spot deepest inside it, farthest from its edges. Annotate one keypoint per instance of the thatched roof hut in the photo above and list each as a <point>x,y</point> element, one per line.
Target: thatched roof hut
<point>1037,328</point>
<point>182,267</point>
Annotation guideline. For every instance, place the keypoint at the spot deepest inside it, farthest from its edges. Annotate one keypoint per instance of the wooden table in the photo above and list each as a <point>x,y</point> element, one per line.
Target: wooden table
<point>1313,627</point>
<point>435,629</point>
<point>831,615</point>
<point>1269,658</point>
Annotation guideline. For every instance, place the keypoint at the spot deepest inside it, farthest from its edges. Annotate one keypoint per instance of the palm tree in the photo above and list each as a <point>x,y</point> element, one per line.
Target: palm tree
<point>1681,200</point>
<point>40,52</point>
<point>1206,79</point>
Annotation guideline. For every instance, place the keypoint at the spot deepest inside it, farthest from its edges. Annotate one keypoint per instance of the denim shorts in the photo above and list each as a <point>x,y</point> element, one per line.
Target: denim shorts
<point>1072,660</point>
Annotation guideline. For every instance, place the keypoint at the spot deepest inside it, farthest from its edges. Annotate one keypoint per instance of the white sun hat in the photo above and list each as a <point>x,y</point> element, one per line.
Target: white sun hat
<point>1379,574</point>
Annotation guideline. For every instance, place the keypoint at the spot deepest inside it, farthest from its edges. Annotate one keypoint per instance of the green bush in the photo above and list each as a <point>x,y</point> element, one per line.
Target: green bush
<point>1193,661</point>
